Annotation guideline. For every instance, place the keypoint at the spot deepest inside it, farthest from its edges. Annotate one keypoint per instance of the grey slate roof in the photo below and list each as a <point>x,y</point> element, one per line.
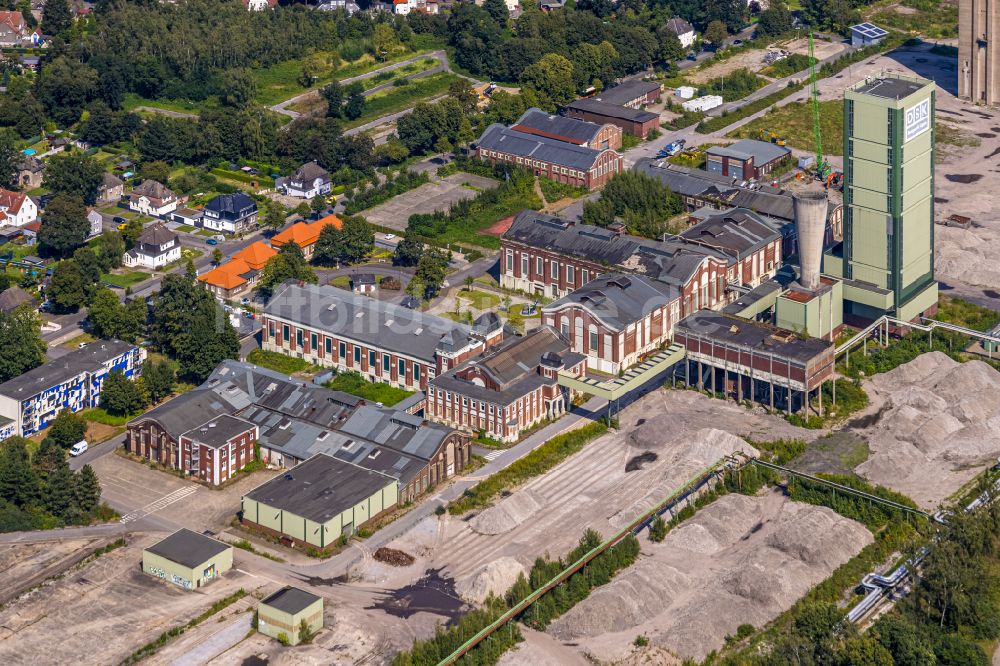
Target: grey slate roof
<point>248,391</point>
<point>513,365</point>
<point>89,359</point>
<point>369,321</point>
<point>723,189</point>
<point>217,432</point>
<point>598,106</point>
<point>188,548</point>
<point>618,299</point>
<point>627,91</point>
<point>320,488</point>
<point>232,205</point>
<point>670,260</point>
<point>153,190</point>
<point>761,151</point>
<point>309,172</point>
<point>156,234</point>
<point>736,233</point>
<point>14,297</point>
<point>521,144</point>
<point>679,26</point>
<point>572,130</point>
<point>291,600</point>
<point>755,335</point>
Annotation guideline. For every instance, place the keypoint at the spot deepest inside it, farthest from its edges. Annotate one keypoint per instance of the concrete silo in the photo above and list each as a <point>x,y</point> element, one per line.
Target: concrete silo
<point>810,224</point>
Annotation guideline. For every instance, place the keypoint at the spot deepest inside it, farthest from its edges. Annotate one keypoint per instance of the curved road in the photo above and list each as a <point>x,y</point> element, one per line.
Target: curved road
<point>442,66</point>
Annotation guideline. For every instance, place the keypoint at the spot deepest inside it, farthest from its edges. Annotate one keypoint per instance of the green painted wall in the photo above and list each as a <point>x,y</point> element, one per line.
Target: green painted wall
<point>272,621</point>
<point>317,534</point>
<point>889,193</point>
<point>158,566</point>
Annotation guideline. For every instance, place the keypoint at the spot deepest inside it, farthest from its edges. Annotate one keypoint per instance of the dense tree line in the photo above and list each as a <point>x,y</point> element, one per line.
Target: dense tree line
<point>40,491</point>
<point>190,326</point>
<point>642,202</point>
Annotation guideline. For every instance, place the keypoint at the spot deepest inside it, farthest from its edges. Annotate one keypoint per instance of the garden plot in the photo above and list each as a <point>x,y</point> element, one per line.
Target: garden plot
<point>934,425</point>
<point>739,560</point>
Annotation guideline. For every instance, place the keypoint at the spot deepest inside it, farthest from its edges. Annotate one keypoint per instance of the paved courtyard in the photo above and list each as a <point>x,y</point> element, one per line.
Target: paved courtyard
<point>439,194</point>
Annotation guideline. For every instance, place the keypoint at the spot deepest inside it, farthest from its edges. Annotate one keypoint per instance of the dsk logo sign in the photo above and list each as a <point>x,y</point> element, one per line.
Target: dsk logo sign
<point>918,119</point>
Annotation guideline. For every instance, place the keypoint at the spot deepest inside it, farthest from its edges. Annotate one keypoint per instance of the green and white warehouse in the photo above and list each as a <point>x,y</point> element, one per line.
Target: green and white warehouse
<point>318,500</point>
<point>187,559</point>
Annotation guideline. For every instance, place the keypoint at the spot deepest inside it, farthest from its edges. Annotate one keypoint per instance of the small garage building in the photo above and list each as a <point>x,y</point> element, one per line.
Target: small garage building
<point>284,611</point>
<point>316,501</point>
<point>187,559</point>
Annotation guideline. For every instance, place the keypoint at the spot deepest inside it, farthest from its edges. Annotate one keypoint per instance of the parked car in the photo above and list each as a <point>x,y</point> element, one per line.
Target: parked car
<point>212,241</point>
<point>117,219</point>
<point>78,448</point>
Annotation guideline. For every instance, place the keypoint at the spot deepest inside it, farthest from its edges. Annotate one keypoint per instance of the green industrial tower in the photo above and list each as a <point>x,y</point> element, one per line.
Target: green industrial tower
<point>888,253</point>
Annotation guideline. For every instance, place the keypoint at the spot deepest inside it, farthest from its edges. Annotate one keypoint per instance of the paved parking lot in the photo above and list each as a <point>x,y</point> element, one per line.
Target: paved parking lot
<point>436,195</point>
<point>148,497</point>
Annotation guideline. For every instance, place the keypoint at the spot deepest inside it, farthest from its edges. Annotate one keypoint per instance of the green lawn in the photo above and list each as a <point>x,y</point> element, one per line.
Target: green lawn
<point>794,123</point>
<point>355,384</point>
<point>127,280</point>
<point>935,19</point>
<point>99,415</point>
<point>394,99</point>
<point>207,233</point>
<point>286,365</point>
<point>279,82</point>
<point>186,228</point>
<point>132,101</point>
<point>76,340</point>
<point>481,300</point>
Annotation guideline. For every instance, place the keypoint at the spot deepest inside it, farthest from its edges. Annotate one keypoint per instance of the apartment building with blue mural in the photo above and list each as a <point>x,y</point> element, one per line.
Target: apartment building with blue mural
<point>29,402</point>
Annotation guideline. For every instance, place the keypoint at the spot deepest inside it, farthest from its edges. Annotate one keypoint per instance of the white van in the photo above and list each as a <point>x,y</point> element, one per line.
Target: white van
<point>78,448</point>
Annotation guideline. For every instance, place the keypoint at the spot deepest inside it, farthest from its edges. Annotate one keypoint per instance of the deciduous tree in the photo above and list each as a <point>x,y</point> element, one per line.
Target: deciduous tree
<point>74,174</point>
<point>121,396</point>
<point>66,287</point>
<point>67,429</point>
<point>21,345</point>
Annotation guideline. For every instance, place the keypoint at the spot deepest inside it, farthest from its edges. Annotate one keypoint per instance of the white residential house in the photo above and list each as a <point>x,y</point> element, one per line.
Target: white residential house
<point>153,199</point>
<point>96,222</point>
<point>404,7</point>
<point>155,247</point>
<point>684,31</point>
<point>16,209</point>
<point>230,213</point>
<point>260,5</point>
<point>308,180</point>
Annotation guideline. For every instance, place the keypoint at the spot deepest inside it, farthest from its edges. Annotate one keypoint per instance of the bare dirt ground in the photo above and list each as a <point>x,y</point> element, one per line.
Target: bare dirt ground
<point>754,59</point>
<point>439,194</point>
<point>933,425</point>
<point>662,442</point>
<point>739,560</point>
<point>967,169</point>
<point>101,613</point>
<point>25,564</point>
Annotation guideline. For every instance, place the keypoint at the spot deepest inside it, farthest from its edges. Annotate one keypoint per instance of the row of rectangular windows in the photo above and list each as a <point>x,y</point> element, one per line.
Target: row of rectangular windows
<point>342,351</point>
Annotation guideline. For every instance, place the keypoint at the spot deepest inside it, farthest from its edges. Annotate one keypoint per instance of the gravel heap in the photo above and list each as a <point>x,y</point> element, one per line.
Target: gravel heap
<point>506,514</point>
<point>698,450</point>
<point>494,578</point>
<point>739,560</point>
<point>938,425</point>
<point>968,255</point>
